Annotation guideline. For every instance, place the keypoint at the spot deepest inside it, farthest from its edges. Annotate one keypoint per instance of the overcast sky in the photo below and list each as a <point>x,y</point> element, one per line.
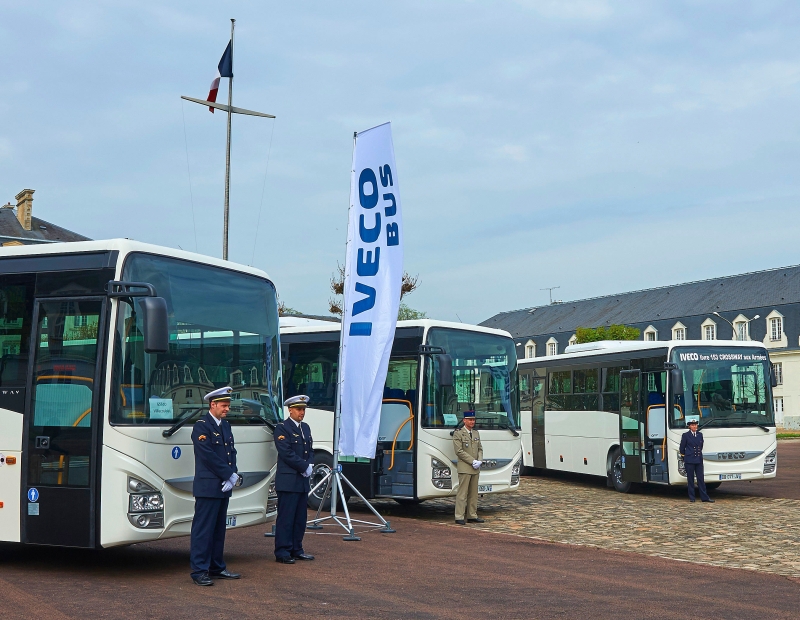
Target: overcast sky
<point>596,146</point>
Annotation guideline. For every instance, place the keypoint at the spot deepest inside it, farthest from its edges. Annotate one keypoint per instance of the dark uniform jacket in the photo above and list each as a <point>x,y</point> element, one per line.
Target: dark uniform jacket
<point>692,447</point>
<point>295,454</point>
<point>214,457</point>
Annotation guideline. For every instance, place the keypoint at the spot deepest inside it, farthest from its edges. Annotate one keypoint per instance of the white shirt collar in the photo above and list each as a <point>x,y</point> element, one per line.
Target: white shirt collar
<point>215,420</point>
<point>296,422</point>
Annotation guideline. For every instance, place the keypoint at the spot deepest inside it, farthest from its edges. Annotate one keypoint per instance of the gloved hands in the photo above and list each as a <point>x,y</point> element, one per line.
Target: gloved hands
<point>308,471</point>
<point>230,482</point>
<point>476,464</point>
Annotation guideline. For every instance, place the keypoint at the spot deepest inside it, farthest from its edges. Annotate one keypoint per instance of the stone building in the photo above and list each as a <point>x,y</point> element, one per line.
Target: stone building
<point>18,226</point>
<point>761,306</point>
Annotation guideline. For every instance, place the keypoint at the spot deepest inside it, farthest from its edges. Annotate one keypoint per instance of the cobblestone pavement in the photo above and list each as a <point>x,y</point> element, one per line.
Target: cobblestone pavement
<point>753,533</point>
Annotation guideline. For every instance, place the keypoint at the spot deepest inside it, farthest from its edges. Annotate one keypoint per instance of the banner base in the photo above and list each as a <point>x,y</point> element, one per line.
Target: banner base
<point>333,479</point>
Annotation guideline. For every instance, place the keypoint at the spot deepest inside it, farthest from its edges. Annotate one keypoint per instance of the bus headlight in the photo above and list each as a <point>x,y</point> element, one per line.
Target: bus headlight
<point>515,473</point>
<point>441,476</point>
<point>148,502</point>
<point>771,462</point>
<point>272,498</point>
<point>137,486</point>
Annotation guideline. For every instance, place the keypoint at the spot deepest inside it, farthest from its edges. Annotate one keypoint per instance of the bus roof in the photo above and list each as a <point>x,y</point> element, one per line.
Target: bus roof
<point>124,246</point>
<point>627,346</point>
<point>297,325</point>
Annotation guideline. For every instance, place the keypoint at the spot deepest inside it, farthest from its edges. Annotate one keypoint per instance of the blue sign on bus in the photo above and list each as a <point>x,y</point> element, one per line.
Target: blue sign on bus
<point>176,452</point>
<point>33,495</point>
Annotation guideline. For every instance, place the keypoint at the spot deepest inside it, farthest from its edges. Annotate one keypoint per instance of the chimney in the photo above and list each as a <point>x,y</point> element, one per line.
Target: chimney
<point>25,207</point>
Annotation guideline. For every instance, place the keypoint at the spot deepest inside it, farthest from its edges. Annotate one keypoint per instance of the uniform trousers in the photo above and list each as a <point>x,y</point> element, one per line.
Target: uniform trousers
<point>208,535</point>
<point>467,496</point>
<point>290,525</point>
<point>692,470</point>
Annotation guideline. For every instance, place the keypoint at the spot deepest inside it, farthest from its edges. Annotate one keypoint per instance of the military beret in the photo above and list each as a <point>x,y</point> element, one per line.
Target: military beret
<point>301,400</point>
<point>223,393</point>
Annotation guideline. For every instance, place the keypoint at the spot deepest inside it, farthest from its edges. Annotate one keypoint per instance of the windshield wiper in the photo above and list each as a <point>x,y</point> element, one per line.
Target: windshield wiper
<point>513,431</point>
<point>269,423</point>
<point>742,422</point>
<point>181,421</point>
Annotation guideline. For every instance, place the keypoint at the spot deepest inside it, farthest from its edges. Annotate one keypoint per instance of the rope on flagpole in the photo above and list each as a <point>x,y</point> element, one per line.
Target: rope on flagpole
<point>263,187</point>
<point>189,173</point>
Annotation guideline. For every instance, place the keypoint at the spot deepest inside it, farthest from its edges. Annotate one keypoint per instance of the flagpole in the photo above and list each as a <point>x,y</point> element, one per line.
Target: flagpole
<point>228,157</point>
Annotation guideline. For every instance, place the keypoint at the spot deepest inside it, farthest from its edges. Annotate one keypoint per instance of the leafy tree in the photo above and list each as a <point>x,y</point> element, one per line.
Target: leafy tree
<point>408,285</point>
<point>612,332</point>
<point>284,310</point>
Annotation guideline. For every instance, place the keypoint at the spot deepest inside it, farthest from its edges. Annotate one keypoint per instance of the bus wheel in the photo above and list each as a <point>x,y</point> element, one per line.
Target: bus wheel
<point>712,486</point>
<point>616,474</point>
<point>323,464</point>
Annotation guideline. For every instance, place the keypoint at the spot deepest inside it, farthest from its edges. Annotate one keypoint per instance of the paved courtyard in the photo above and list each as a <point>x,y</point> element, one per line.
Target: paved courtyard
<point>755,533</point>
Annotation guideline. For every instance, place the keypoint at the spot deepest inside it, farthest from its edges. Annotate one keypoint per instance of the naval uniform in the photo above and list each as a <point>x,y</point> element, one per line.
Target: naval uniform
<point>691,449</point>
<point>468,448</point>
<point>295,455</point>
<point>214,463</point>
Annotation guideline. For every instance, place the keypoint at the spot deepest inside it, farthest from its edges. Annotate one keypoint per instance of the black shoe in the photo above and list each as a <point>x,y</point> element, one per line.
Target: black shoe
<point>285,559</point>
<point>203,580</point>
<point>476,520</point>
<point>303,556</point>
<point>460,522</point>
<point>691,500</point>
<point>708,501</point>
<point>226,574</point>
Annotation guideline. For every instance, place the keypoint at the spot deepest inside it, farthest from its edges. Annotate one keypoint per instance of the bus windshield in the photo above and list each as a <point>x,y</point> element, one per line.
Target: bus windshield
<point>484,381</point>
<point>223,331</point>
<point>723,387</point>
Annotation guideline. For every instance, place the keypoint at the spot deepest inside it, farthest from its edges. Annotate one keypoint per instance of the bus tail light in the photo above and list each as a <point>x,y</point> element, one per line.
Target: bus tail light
<point>441,476</point>
<point>771,462</point>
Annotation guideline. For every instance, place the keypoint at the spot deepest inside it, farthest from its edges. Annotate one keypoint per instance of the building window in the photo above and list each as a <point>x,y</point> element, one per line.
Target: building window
<point>778,407</point>
<point>742,331</point>
<point>709,332</point>
<point>188,393</point>
<point>573,340</point>
<point>530,350</point>
<point>775,328</point>
<point>81,321</point>
<point>679,334</point>
<point>552,348</point>
<point>778,370</point>
<point>650,337</point>
<point>187,375</point>
<point>254,376</point>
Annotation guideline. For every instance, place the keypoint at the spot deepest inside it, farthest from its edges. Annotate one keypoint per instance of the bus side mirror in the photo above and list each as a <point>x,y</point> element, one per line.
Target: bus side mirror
<point>773,379</point>
<point>155,323</point>
<point>445,370</point>
<point>676,380</point>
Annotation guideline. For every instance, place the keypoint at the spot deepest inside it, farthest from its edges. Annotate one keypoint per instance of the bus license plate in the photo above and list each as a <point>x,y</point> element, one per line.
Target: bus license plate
<point>484,488</point>
<point>230,521</point>
<point>730,476</point>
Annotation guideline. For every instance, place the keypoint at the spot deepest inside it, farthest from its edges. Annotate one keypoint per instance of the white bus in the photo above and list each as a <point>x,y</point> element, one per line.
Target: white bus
<point>618,410</point>
<point>108,348</point>
<point>437,370</point>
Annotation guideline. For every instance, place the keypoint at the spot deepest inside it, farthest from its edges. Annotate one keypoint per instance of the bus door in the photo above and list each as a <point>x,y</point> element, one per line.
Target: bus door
<point>396,449</point>
<point>631,426</point>
<point>61,428</point>
<point>538,423</point>
<point>655,419</point>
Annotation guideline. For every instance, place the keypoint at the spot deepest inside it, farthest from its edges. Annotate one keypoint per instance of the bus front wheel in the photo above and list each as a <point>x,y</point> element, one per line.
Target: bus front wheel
<point>323,464</point>
<point>616,474</point>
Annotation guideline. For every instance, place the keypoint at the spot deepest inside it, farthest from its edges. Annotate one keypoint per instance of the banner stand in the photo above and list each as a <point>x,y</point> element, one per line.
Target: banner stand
<point>333,489</point>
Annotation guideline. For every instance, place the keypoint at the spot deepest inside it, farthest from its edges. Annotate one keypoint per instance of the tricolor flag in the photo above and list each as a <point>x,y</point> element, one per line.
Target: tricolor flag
<point>224,69</point>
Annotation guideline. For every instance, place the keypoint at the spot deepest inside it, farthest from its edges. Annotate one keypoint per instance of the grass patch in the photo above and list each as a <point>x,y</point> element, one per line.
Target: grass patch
<point>789,435</point>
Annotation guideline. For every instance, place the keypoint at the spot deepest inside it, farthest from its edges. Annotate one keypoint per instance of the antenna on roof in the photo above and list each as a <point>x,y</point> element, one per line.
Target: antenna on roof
<point>551,289</point>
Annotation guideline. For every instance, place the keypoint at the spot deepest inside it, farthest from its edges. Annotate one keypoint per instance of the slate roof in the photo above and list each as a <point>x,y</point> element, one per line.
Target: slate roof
<point>40,229</point>
<point>773,287</point>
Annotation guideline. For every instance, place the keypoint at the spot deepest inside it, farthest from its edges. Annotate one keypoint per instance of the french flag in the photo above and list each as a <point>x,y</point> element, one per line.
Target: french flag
<point>224,69</point>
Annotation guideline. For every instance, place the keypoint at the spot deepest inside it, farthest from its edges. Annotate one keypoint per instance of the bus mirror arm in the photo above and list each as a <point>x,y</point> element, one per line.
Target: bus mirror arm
<point>154,308</point>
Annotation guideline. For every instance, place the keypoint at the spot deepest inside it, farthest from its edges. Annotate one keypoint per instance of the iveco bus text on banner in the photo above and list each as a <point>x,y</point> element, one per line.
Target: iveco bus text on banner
<point>372,278</point>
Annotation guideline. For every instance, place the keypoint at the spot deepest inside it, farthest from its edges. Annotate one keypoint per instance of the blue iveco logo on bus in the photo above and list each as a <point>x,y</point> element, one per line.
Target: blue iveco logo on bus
<point>33,495</point>
<point>176,452</point>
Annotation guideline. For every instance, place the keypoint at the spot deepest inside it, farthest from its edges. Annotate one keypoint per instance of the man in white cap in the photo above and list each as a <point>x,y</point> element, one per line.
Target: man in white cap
<point>295,464</point>
<point>215,475</point>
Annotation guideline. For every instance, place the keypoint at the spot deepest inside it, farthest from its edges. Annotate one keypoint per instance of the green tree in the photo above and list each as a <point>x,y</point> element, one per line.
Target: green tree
<point>612,332</point>
<point>409,314</point>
